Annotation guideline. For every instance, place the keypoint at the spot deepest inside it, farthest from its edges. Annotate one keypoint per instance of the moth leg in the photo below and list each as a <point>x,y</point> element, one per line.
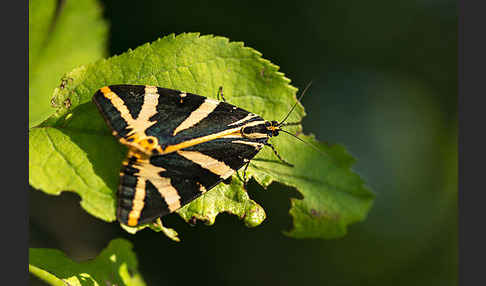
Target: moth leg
<point>245,181</point>
<point>278,156</point>
<point>244,175</point>
<point>220,93</point>
<point>239,177</point>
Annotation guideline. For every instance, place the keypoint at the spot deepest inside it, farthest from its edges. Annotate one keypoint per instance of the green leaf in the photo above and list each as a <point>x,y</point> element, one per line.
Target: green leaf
<point>156,226</point>
<point>60,38</point>
<point>74,149</point>
<point>233,199</point>
<point>116,265</point>
<point>334,196</point>
<point>72,160</point>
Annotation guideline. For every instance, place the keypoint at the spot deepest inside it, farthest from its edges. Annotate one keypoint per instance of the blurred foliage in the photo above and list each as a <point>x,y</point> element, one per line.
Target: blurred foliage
<point>116,265</point>
<point>58,42</point>
<point>385,86</point>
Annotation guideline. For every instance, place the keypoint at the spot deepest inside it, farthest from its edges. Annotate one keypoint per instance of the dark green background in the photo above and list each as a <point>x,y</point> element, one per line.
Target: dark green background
<point>384,85</point>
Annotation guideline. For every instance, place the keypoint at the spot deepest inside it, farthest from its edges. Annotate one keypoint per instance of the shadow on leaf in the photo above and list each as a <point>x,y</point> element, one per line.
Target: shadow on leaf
<point>89,132</point>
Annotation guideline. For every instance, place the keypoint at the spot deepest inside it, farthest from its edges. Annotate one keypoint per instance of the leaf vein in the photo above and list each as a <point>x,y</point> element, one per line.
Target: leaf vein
<point>63,157</point>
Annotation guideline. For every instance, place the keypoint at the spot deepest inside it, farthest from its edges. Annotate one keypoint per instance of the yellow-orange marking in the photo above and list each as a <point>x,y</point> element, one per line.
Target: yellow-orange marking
<point>137,135</point>
<point>182,95</point>
<point>248,117</point>
<point>229,133</point>
<point>254,144</point>
<point>162,184</point>
<point>199,140</point>
<point>197,115</point>
<point>209,163</point>
<point>137,203</point>
<point>202,189</point>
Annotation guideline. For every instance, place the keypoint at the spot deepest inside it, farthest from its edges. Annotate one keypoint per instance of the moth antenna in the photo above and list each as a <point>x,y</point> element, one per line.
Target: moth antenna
<point>291,123</point>
<point>295,104</point>
<point>312,146</point>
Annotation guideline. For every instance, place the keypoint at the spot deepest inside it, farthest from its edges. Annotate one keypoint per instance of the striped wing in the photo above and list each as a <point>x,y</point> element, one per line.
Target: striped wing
<point>153,186</point>
<point>157,120</point>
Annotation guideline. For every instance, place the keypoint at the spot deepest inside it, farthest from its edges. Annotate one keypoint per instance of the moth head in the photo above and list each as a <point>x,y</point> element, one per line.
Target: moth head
<point>272,128</point>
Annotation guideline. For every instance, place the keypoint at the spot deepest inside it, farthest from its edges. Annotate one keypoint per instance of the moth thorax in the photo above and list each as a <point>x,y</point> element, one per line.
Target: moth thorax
<point>264,129</point>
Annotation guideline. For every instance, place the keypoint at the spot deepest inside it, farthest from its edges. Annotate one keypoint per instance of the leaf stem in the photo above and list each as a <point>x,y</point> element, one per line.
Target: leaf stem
<point>46,276</point>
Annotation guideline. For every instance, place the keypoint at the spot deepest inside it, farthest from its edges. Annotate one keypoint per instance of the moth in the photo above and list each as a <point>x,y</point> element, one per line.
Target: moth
<point>180,145</point>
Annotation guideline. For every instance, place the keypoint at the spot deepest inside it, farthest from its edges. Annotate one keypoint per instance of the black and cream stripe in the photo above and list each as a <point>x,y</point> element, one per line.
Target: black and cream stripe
<point>180,146</point>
